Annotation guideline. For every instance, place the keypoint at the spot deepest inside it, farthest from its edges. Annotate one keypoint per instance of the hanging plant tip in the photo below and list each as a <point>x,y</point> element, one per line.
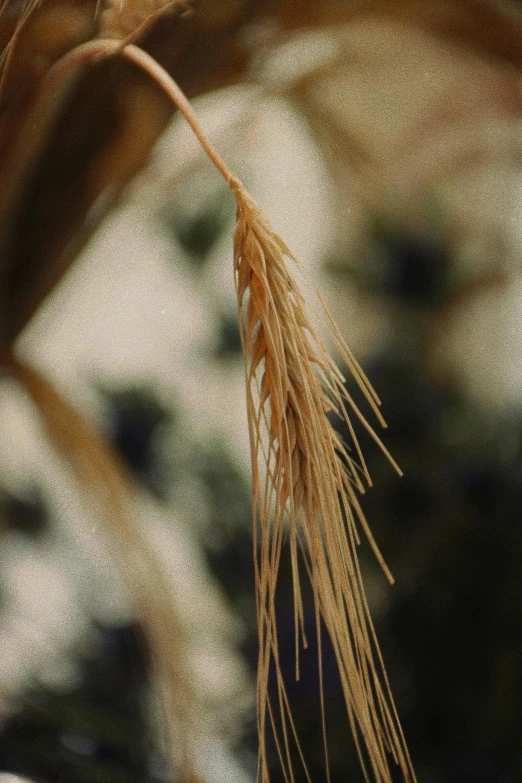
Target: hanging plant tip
<point>305,479</point>
<point>304,490</point>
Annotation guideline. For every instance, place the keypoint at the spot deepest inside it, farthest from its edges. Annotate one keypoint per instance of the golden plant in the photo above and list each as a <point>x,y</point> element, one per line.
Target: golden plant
<point>304,478</point>
<point>304,485</point>
<point>309,474</point>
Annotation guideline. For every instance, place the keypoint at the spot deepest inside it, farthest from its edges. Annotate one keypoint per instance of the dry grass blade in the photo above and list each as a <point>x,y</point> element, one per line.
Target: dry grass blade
<point>304,488</point>
<point>99,471</point>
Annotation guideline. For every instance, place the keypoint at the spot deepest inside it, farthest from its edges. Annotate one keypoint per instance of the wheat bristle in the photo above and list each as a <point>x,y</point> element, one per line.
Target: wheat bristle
<point>304,485</point>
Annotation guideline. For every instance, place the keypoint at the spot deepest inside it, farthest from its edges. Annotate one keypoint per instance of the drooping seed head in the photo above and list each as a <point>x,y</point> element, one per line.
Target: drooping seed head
<point>304,490</point>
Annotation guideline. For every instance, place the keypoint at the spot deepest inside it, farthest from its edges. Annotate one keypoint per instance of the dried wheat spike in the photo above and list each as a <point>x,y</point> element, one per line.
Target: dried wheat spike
<point>304,484</point>
<point>304,481</point>
<point>126,19</point>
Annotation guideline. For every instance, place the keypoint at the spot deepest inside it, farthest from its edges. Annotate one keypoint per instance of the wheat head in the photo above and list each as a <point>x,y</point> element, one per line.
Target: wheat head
<point>304,480</point>
<point>304,484</point>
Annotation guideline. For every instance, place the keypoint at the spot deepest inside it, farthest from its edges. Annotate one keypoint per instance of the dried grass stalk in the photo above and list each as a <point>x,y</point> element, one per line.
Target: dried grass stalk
<point>304,480</point>
<point>99,471</point>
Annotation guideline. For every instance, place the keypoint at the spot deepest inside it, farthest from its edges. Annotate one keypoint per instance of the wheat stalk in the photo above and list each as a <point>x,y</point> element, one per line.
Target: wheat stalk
<point>304,481</point>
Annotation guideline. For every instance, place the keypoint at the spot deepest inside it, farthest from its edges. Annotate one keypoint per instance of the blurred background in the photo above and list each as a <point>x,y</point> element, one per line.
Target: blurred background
<point>384,142</point>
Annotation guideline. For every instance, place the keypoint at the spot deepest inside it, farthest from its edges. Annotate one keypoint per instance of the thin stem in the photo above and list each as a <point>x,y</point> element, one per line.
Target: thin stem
<point>106,47</point>
<point>165,80</point>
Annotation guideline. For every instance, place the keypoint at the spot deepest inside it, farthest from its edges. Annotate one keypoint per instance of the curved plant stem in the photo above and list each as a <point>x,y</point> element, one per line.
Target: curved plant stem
<point>161,77</point>
<point>309,482</point>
